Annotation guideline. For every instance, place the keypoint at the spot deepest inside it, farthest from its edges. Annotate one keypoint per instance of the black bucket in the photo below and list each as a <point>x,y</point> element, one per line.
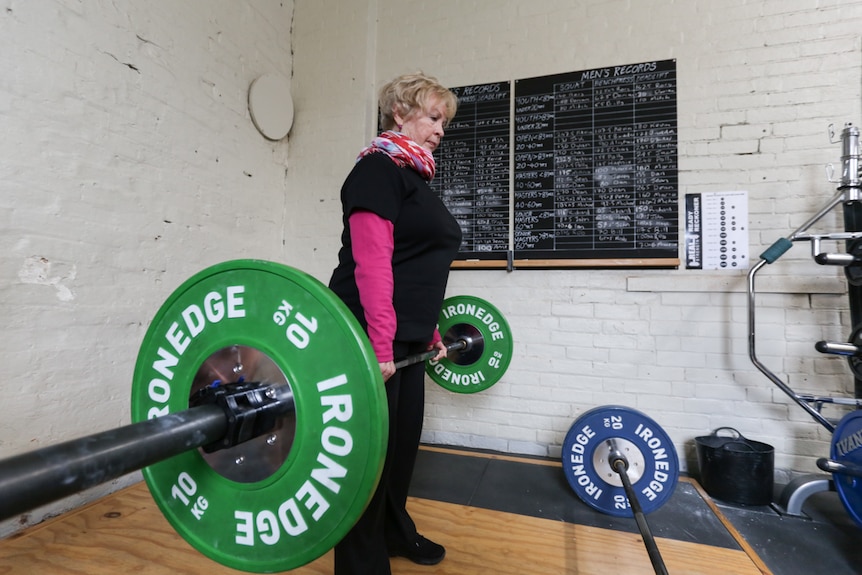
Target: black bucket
<point>736,469</point>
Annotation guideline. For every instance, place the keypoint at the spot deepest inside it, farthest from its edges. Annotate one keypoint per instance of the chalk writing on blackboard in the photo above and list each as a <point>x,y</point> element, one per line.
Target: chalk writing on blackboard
<point>595,164</point>
<point>473,170</point>
<point>573,167</point>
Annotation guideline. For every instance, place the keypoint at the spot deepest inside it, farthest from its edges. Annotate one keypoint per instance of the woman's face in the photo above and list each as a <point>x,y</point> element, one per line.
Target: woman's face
<point>425,127</point>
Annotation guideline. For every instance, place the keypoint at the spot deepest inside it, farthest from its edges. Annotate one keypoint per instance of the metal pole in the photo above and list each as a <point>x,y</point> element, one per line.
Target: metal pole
<point>752,354</point>
<point>39,477</point>
<point>32,479</point>
<point>459,345</point>
<point>620,465</point>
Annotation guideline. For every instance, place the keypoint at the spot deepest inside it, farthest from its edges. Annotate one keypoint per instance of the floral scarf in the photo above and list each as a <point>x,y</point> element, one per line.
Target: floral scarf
<point>404,152</point>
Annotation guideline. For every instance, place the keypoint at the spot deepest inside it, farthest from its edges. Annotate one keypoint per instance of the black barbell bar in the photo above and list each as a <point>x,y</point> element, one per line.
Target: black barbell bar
<point>218,421</point>
<point>464,344</point>
<point>32,479</point>
<point>620,464</point>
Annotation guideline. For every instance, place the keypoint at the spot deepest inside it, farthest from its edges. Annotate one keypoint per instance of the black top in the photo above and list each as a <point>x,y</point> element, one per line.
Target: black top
<point>426,236</point>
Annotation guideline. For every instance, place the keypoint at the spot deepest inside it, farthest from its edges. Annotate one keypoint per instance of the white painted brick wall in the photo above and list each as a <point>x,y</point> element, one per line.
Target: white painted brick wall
<point>129,162</point>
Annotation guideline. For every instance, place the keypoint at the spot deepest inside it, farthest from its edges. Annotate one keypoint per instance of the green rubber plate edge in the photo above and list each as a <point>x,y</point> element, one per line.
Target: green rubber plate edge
<point>355,351</point>
<point>489,368</point>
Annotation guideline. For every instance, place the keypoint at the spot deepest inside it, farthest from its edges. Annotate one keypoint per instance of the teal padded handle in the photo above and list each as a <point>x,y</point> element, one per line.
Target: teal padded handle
<point>776,250</point>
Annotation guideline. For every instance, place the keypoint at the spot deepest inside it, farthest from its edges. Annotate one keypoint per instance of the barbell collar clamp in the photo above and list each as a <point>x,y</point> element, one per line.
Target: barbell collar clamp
<point>251,409</point>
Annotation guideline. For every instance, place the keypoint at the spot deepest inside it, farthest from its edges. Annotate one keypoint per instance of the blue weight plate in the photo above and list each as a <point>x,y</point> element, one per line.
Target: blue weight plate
<point>653,463</point>
<point>847,448</point>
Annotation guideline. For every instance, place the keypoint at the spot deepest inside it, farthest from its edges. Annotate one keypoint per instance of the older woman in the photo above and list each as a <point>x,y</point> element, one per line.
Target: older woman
<point>398,243</point>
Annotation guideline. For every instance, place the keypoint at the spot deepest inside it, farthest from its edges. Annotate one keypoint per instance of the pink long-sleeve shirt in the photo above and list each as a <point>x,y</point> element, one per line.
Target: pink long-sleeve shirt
<point>373,244</point>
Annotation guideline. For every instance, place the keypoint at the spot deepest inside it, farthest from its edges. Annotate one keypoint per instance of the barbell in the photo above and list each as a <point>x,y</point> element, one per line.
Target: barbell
<point>619,461</point>
<point>259,414</point>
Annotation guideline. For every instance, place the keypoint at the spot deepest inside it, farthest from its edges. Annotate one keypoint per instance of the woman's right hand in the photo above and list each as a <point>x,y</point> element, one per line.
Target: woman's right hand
<point>387,368</point>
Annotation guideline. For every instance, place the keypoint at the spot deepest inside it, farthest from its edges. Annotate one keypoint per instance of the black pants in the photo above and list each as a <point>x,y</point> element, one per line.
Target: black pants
<point>385,522</point>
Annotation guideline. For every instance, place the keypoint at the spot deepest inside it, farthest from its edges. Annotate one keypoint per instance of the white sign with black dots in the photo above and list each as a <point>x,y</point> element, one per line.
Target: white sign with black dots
<point>716,231</point>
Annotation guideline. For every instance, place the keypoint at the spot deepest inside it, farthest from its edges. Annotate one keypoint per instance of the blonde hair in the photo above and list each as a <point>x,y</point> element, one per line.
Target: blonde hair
<point>410,93</point>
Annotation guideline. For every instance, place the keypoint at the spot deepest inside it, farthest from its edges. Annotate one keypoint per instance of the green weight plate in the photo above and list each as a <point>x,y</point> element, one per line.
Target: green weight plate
<point>485,362</point>
<point>295,510</point>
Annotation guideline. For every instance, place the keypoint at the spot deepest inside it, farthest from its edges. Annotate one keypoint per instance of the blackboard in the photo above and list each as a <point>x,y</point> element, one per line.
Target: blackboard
<point>596,164</point>
<point>473,170</point>
<point>573,169</point>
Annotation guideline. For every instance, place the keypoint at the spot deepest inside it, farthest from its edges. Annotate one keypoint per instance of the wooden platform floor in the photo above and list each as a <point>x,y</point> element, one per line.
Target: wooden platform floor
<point>125,533</point>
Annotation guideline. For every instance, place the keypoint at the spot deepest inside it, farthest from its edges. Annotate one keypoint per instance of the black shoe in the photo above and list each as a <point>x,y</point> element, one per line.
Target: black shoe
<point>423,551</point>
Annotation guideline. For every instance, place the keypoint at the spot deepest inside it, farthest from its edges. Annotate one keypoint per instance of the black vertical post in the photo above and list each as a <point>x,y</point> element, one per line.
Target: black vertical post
<point>853,223</point>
